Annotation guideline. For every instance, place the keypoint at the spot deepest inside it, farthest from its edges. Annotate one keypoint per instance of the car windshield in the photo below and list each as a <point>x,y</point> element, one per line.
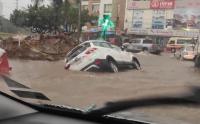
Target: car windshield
<point>78,50</point>
<point>147,41</point>
<point>183,41</point>
<point>102,44</point>
<point>116,47</point>
<point>136,41</point>
<point>122,58</point>
<point>190,48</point>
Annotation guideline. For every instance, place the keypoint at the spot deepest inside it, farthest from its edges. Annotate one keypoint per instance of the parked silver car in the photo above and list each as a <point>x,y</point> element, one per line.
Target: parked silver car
<point>142,44</point>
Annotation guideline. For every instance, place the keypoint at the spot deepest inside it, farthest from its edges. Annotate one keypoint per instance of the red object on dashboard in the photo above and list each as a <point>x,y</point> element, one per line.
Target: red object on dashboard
<point>4,65</point>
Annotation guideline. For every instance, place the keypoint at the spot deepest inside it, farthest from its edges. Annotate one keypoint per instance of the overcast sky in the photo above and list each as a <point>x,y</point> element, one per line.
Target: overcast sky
<point>10,5</point>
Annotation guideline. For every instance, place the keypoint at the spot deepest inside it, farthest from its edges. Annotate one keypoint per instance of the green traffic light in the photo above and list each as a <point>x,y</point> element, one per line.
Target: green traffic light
<point>106,23</point>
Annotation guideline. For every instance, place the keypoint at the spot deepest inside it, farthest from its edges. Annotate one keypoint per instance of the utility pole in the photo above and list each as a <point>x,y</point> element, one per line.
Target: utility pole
<point>79,20</point>
<point>1,8</point>
<point>117,20</point>
<point>17,4</point>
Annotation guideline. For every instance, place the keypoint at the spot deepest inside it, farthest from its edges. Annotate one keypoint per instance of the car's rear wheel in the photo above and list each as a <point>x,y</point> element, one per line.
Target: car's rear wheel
<point>136,64</point>
<point>113,66</point>
<point>145,49</point>
<point>197,61</point>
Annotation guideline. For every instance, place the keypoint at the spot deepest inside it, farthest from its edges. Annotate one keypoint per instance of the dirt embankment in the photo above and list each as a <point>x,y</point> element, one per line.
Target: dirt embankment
<point>41,47</point>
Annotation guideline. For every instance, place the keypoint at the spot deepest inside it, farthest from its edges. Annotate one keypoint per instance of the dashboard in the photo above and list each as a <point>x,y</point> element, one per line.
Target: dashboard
<point>15,111</point>
<point>12,112</point>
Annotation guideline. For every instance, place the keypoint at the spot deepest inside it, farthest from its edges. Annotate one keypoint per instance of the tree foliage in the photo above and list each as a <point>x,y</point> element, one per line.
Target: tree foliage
<point>7,27</point>
<point>37,3</point>
<point>60,15</point>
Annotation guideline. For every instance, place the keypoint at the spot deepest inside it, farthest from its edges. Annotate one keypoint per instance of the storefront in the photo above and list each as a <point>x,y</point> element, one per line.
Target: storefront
<point>162,19</point>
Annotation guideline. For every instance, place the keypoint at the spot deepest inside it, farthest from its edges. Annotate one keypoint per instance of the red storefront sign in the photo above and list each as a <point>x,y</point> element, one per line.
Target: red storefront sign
<point>162,4</point>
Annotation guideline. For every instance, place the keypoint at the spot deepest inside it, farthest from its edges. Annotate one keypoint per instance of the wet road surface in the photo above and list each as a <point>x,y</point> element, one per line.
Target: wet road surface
<point>161,76</point>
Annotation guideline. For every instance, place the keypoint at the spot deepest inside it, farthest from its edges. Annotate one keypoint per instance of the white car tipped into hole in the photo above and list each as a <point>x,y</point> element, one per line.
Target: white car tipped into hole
<point>98,55</point>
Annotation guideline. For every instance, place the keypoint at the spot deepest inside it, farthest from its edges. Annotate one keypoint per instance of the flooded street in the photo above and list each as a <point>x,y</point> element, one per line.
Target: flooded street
<point>160,76</point>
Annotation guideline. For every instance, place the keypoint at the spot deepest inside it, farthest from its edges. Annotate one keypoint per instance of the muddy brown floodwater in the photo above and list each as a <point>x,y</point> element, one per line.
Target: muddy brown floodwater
<point>161,76</point>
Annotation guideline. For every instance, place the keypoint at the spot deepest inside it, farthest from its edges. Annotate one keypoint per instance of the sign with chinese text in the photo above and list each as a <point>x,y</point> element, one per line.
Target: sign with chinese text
<point>162,4</point>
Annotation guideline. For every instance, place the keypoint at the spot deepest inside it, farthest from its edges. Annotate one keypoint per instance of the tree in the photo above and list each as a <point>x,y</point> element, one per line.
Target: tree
<point>40,20</point>
<point>57,3</point>
<point>1,25</point>
<point>18,18</point>
<point>37,3</point>
<point>85,17</point>
<point>72,19</point>
<point>52,18</point>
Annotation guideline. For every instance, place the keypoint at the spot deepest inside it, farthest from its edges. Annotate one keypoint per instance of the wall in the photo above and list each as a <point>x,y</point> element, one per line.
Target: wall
<point>119,12</point>
<point>101,6</point>
<point>101,11</point>
<point>151,17</point>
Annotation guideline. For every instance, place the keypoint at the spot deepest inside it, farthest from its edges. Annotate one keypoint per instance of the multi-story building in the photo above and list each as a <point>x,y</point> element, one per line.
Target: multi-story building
<point>115,8</point>
<point>98,7</point>
<point>118,13</point>
<point>161,19</point>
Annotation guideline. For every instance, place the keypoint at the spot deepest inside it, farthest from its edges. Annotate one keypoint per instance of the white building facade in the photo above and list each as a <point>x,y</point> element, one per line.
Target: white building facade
<point>164,18</point>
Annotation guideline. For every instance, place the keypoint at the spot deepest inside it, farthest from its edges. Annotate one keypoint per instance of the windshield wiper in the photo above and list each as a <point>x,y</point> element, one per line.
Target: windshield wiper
<point>102,114</point>
<point>74,113</point>
<point>113,107</point>
<point>23,91</point>
<point>61,110</point>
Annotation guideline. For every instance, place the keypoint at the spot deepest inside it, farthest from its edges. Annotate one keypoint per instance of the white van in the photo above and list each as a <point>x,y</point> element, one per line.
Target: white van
<point>175,43</point>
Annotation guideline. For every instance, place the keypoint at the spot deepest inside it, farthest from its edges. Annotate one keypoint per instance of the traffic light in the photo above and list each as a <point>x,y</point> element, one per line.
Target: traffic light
<point>106,20</point>
<point>106,24</point>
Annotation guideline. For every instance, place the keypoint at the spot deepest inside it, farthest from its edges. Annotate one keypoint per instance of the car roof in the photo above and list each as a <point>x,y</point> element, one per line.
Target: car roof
<point>141,39</point>
<point>91,41</point>
<point>175,38</point>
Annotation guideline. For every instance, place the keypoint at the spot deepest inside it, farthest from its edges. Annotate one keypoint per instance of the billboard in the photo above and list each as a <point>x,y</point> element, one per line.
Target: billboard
<point>187,4</point>
<point>186,18</point>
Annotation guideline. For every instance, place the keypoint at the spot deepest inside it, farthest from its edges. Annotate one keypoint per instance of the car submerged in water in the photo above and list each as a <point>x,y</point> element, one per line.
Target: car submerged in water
<point>99,55</point>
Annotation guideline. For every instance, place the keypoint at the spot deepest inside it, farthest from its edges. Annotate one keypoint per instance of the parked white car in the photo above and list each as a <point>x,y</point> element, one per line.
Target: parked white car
<point>185,53</point>
<point>99,55</point>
